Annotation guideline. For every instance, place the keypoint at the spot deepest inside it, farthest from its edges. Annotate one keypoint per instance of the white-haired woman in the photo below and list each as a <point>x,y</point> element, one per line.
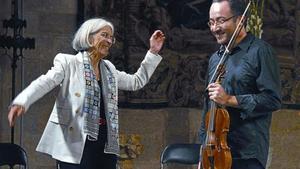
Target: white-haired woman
<point>82,131</point>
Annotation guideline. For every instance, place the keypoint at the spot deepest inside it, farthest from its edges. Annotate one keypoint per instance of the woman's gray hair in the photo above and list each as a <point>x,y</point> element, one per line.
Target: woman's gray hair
<point>81,39</point>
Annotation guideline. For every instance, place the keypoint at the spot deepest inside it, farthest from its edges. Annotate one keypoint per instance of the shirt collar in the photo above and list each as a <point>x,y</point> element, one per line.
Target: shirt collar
<point>246,42</point>
<point>243,45</point>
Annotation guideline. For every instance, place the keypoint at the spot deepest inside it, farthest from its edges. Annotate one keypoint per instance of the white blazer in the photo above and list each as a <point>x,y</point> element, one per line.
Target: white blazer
<point>63,137</point>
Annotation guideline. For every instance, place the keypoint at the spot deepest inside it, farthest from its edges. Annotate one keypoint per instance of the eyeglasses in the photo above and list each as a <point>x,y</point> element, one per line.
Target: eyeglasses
<point>219,21</point>
<point>107,36</point>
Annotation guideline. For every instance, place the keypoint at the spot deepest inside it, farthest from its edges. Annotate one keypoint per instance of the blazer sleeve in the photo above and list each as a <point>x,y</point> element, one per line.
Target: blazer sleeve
<point>142,76</point>
<point>43,84</point>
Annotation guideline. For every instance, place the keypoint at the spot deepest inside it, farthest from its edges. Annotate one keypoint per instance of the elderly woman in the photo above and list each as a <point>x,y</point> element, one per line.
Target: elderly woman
<point>83,131</point>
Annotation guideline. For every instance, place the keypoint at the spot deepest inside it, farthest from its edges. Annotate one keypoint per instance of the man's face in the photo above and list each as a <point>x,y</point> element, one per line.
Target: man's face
<point>222,22</point>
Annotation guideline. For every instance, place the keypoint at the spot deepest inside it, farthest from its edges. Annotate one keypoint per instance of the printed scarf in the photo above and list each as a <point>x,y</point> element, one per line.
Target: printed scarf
<point>91,106</point>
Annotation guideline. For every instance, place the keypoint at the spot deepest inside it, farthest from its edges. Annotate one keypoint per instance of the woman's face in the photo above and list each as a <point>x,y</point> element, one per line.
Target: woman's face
<point>102,41</point>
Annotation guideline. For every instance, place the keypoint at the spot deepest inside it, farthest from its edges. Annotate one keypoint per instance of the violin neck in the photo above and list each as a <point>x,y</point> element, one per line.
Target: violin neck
<point>212,117</point>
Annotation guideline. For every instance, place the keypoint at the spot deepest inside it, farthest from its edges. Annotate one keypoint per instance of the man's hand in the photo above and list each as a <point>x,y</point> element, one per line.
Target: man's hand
<point>217,93</point>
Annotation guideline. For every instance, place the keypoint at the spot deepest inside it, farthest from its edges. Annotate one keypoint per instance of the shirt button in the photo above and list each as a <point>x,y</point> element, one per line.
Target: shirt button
<point>71,128</point>
<point>77,111</point>
<point>77,94</point>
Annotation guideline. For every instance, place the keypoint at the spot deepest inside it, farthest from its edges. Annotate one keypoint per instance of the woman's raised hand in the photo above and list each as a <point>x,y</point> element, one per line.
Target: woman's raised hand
<point>156,41</point>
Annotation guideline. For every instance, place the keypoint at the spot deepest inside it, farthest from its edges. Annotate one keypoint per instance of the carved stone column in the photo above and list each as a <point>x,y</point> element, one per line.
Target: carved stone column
<point>297,32</point>
<point>93,8</point>
<point>138,31</point>
<point>296,92</point>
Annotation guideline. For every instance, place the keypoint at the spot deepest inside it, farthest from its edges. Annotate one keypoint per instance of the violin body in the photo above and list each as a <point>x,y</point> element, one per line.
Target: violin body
<point>216,153</point>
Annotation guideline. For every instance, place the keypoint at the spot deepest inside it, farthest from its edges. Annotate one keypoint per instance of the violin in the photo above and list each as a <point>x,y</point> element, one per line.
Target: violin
<point>214,152</point>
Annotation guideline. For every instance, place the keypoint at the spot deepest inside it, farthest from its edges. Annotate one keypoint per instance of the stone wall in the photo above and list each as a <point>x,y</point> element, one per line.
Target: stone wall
<point>52,24</point>
<point>160,127</point>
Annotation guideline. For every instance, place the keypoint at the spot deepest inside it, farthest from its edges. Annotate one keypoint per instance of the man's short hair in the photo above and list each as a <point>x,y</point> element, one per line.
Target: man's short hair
<point>237,6</point>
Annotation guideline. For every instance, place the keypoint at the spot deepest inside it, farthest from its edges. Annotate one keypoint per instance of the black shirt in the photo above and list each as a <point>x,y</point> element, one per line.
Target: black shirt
<point>102,110</point>
<point>252,75</point>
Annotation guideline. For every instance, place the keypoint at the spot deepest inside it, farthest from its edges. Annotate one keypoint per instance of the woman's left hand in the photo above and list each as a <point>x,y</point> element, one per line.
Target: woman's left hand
<point>156,41</point>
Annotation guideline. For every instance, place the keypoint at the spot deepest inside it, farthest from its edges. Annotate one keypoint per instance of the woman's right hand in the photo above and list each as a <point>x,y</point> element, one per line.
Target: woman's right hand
<point>14,112</point>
